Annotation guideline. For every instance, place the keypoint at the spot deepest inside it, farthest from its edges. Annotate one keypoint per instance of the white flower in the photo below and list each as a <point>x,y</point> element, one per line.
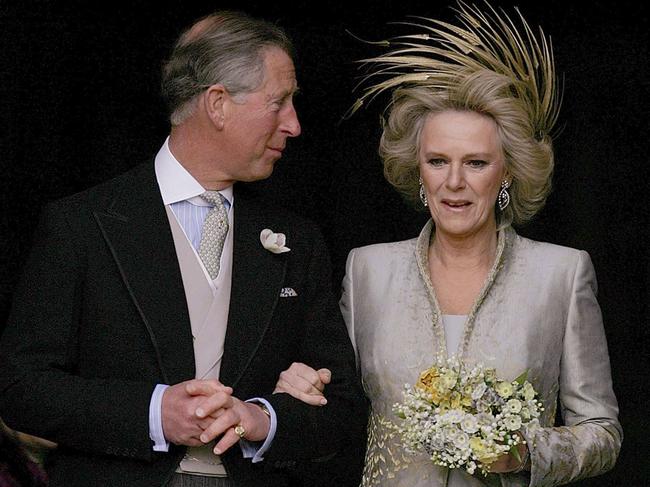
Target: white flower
<point>528,391</point>
<point>437,441</point>
<point>451,432</point>
<point>513,423</point>
<point>454,416</point>
<point>273,242</point>
<point>484,419</point>
<point>534,408</point>
<point>479,391</point>
<point>482,406</point>
<point>504,389</point>
<point>513,405</point>
<point>473,420</point>
<point>469,424</point>
<point>462,440</point>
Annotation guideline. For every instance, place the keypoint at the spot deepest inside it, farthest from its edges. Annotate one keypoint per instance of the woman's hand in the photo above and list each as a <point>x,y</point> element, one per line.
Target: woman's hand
<point>304,383</point>
<point>508,463</point>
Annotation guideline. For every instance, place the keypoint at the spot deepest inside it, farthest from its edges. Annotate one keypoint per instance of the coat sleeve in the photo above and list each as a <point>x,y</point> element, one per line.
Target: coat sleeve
<point>42,392</point>
<point>310,432</point>
<point>347,303</point>
<point>589,442</point>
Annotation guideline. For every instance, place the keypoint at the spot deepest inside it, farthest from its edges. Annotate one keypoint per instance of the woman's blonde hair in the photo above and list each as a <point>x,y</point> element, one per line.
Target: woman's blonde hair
<point>485,66</point>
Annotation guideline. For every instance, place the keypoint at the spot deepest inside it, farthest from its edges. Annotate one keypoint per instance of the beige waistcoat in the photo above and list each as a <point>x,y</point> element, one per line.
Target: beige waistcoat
<point>208,303</point>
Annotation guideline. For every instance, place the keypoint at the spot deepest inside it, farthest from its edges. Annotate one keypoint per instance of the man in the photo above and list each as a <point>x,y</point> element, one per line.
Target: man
<point>157,310</point>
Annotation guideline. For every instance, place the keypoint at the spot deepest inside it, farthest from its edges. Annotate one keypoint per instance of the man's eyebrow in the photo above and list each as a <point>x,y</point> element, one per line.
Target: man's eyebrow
<point>287,94</point>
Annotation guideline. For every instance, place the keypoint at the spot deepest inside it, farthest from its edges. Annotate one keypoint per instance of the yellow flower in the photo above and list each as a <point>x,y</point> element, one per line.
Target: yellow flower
<point>476,444</point>
<point>466,400</point>
<point>481,451</point>
<point>440,386</point>
<point>488,457</point>
<point>504,389</point>
<point>438,398</point>
<point>428,379</point>
<point>448,379</point>
<point>431,382</point>
<point>454,399</point>
<point>444,401</point>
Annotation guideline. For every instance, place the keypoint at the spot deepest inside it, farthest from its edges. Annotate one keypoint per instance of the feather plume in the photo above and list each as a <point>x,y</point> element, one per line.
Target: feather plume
<point>443,54</point>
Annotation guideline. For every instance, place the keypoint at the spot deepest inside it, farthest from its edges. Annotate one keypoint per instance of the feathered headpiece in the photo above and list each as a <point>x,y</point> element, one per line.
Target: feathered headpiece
<point>445,54</point>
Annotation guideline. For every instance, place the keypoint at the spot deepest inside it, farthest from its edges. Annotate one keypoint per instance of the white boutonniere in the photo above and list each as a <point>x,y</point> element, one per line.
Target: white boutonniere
<point>273,242</point>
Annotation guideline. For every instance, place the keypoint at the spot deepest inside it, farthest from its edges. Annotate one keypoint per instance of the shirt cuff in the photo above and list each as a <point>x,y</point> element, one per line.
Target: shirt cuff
<point>252,449</point>
<point>155,419</point>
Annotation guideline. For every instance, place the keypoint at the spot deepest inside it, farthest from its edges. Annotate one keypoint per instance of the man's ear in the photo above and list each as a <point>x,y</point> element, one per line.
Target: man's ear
<point>214,99</point>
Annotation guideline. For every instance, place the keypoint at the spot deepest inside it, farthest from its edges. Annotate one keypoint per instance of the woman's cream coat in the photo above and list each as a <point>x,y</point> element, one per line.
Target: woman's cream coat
<point>536,311</point>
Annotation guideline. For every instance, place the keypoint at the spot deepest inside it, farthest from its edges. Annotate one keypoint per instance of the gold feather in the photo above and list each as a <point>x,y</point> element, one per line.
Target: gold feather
<point>444,53</point>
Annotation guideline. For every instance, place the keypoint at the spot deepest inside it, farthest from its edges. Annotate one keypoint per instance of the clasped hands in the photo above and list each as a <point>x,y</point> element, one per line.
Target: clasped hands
<point>195,412</point>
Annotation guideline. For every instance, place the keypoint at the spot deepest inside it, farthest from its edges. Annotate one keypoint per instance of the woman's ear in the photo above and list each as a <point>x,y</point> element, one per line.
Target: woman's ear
<point>507,177</point>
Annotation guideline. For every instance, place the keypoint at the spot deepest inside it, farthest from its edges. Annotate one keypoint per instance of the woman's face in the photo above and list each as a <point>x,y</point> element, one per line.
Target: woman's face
<point>462,166</point>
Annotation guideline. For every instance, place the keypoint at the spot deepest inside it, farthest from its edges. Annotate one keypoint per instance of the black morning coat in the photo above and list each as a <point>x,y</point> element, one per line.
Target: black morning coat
<point>100,317</point>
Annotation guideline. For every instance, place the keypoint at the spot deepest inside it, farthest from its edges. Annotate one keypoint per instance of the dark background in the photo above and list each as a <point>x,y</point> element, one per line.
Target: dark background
<point>80,104</point>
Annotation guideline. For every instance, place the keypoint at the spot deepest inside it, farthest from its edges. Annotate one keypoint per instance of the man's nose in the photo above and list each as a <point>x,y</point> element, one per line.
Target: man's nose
<point>290,124</point>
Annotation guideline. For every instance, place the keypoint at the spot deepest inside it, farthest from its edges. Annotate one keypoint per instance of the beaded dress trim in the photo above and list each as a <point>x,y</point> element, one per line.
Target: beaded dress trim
<point>422,257</point>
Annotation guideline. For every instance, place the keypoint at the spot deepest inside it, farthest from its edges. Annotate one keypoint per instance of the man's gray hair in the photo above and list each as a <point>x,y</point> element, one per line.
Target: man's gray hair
<point>224,48</point>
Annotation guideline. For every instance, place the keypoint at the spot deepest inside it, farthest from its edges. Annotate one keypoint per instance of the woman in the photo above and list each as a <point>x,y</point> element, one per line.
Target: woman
<point>468,135</point>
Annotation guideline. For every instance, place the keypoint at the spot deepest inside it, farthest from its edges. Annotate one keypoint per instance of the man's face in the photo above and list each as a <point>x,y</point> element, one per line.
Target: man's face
<point>256,130</point>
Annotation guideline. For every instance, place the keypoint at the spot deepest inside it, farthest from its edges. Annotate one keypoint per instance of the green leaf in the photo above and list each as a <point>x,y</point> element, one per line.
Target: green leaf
<point>514,451</point>
<point>522,378</point>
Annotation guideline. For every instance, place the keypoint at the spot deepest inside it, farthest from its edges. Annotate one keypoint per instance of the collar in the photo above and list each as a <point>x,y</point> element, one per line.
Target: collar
<point>177,184</point>
<point>504,242</point>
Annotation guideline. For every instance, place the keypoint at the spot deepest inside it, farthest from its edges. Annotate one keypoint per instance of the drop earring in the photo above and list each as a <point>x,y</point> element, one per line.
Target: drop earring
<point>503,200</point>
<point>423,194</point>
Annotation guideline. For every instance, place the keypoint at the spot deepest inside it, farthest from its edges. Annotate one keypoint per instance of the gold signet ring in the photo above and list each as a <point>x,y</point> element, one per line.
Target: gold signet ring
<point>240,430</point>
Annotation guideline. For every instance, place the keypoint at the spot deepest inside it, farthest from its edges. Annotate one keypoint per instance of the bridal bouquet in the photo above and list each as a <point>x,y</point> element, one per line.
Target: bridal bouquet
<point>466,417</point>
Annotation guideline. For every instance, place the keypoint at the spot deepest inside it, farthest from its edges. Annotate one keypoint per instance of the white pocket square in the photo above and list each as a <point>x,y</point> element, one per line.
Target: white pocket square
<point>288,292</point>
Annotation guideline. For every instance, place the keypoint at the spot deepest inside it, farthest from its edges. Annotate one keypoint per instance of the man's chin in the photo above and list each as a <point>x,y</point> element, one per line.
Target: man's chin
<point>260,174</point>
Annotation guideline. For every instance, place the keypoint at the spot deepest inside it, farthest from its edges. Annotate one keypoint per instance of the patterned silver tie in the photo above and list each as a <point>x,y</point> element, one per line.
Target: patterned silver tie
<point>215,229</point>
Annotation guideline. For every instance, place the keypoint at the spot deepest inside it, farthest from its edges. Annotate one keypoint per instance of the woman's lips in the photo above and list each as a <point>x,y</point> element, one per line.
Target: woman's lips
<point>458,205</point>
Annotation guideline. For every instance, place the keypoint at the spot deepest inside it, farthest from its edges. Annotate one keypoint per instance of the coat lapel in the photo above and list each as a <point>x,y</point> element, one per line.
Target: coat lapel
<point>257,277</point>
<point>137,232</point>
